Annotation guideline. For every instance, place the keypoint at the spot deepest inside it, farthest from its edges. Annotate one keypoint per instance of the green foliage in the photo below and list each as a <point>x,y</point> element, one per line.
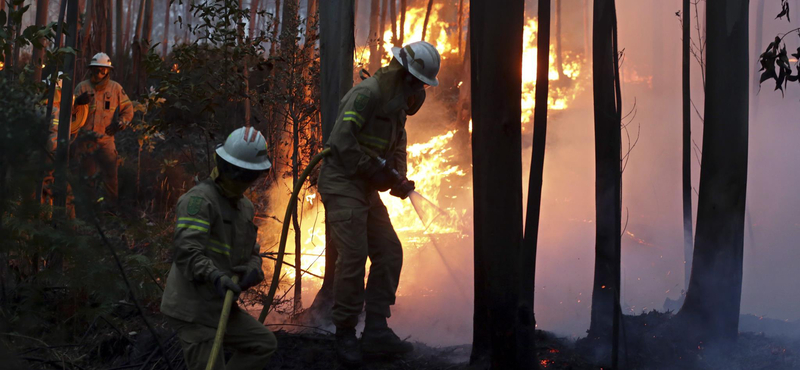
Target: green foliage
<point>775,62</point>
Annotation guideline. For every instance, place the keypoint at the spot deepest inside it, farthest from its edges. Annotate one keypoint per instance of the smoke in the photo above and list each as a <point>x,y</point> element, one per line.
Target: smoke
<point>430,306</point>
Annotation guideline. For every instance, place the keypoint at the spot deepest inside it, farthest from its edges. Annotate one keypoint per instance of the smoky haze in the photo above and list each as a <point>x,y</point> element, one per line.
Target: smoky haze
<point>431,307</point>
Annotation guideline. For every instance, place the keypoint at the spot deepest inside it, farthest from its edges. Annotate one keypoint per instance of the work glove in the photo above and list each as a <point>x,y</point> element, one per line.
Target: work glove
<point>403,189</point>
<point>250,276</point>
<point>223,284</point>
<point>83,99</point>
<point>113,128</point>
<point>383,179</point>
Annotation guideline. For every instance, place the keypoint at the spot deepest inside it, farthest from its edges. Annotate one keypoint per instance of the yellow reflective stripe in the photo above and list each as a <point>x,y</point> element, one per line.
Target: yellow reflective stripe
<point>355,114</point>
<point>384,141</point>
<point>376,146</point>
<point>193,219</point>
<point>194,227</point>
<point>55,121</point>
<point>220,251</point>
<point>352,119</point>
<point>126,101</point>
<point>221,244</point>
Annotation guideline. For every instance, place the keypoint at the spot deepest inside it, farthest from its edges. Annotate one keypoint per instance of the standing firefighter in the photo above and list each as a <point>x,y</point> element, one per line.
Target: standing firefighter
<point>96,141</point>
<point>368,146</point>
<point>215,238</point>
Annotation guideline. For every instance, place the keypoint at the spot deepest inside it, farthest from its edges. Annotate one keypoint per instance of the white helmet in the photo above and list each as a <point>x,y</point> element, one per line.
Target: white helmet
<point>421,59</point>
<point>101,60</point>
<point>58,79</point>
<point>246,148</point>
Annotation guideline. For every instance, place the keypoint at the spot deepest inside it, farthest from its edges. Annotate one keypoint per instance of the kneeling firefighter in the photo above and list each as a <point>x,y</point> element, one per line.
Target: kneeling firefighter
<point>368,155</point>
<point>215,238</point>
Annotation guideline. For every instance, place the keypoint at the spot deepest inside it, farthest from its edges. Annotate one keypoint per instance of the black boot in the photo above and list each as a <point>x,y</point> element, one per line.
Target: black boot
<point>347,349</point>
<point>379,339</point>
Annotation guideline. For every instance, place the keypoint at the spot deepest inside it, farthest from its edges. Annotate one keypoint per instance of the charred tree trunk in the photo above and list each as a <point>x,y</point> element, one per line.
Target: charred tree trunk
<point>608,187</point>
<point>382,30</point>
<point>68,85</point>
<point>187,18</point>
<point>110,28</point>
<point>372,39</point>
<point>38,53</point>
<point>137,46</point>
<point>559,44</point>
<point>425,22</point>
<point>496,151</point>
<point>713,298</point>
<point>119,52</point>
<point>402,38</point>
<point>686,151</point>
<point>393,16</point>
<point>86,31</point>
<point>759,44</point>
<point>298,246</point>
<point>337,44</point>
<point>275,27</point>
<point>165,42</point>
<point>527,325</point>
<point>147,31</point>
<point>460,26</point>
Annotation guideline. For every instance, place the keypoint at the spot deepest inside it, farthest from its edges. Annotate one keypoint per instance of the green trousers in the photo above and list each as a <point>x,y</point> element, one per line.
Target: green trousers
<point>360,230</point>
<point>251,342</point>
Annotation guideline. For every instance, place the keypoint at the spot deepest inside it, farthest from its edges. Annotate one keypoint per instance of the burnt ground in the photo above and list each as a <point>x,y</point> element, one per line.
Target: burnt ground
<point>648,342</point>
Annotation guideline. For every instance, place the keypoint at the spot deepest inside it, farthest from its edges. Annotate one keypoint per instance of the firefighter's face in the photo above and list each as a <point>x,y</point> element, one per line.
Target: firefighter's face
<point>98,73</point>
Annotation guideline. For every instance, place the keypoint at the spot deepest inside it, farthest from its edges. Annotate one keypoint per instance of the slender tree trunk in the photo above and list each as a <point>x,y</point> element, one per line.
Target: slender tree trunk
<point>147,32</point>
<point>127,37</point>
<point>337,44</point>
<point>68,85</point>
<point>86,31</point>
<point>382,31</point>
<point>393,16</point>
<point>687,144</point>
<point>427,16</point>
<point>586,45</point>
<point>713,298</point>
<point>402,38</point>
<point>164,47</point>
<point>530,240</point>
<point>187,19</point>
<point>253,19</point>
<point>119,52</point>
<point>275,28</point>
<point>110,28</point>
<point>497,177</point>
<point>608,187</point>
<point>759,39</point>
<point>460,27</point>
<point>298,246</point>
<point>373,38</point>
<point>38,53</point>
<point>559,45</point>
<point>137,46</point>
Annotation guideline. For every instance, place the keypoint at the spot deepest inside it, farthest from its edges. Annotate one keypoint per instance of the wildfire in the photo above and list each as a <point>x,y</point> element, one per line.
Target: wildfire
<point>564,86</point>
<point>2,66</point>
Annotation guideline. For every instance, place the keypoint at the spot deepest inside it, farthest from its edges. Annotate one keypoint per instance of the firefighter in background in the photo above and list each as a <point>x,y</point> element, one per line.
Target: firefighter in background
<point>215,238</point>
<point>368,145</point>
<point>95,142</point>
<point>79,110</point>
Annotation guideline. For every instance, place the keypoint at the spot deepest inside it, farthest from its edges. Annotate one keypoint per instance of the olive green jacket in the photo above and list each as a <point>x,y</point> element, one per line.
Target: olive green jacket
<point>371,122</point>
<point>213,234</point>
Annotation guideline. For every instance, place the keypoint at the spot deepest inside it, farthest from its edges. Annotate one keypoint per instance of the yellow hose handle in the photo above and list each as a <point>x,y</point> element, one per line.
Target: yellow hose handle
<point>290,209</point>
<point>223,322</point>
